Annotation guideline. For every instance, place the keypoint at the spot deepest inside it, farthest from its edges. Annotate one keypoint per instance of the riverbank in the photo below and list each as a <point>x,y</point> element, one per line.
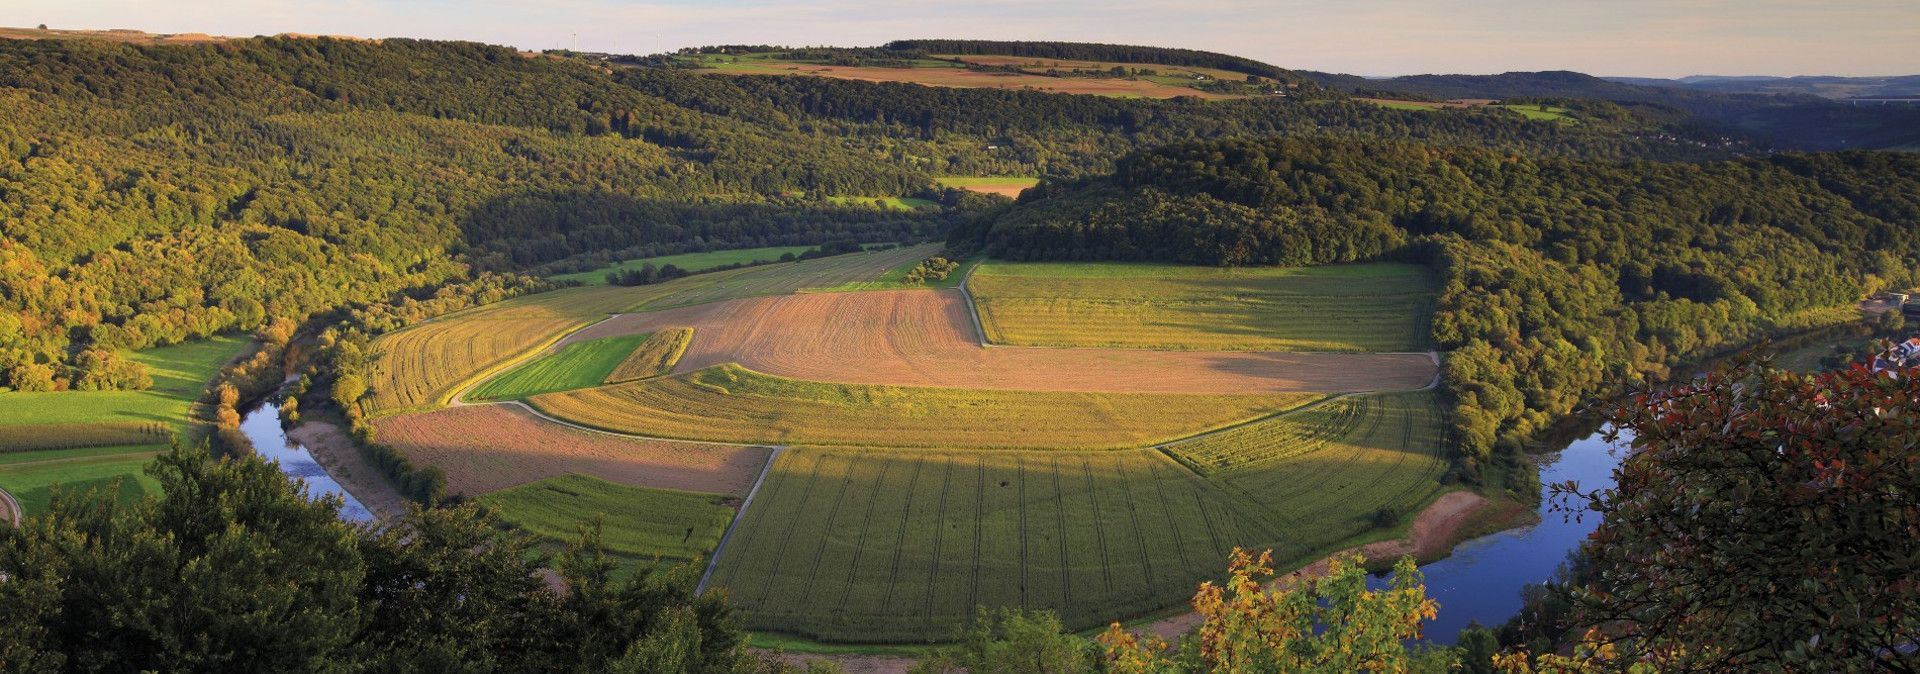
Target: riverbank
<point>1435,530</point>
<point>335,451</point>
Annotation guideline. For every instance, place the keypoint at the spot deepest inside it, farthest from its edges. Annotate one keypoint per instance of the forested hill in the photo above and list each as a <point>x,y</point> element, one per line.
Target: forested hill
<point>1563,277</point>
<point>150,195</point>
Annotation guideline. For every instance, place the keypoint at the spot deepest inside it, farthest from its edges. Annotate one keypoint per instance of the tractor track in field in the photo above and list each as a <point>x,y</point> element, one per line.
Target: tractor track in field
<point>713,560</point>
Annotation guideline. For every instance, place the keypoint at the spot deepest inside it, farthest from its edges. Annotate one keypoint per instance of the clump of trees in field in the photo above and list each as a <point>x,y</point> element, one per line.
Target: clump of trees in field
<point>936,268</point>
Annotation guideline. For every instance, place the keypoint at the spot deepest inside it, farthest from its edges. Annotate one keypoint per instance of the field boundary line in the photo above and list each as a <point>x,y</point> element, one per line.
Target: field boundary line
<point>973,310</point>
<point>713,562</point>
<point>12,508</point>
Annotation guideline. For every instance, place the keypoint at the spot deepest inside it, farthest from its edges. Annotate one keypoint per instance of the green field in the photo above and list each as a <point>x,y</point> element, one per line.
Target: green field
<point>578,365</point>
<point>884,203</point>
<point>1545,113</point>
<point>1357,307</point>
<point>637,523</point>
<point>179,372</point>
<point>31,476</point>
<point>693,262</point>
<point>874,545</point>
<point>729,403</point>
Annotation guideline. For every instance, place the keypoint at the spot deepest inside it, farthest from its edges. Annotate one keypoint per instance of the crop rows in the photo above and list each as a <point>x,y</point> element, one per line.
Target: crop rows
<point>732,404</point>
<point>1289,435</point>
<point>1368,308</point>
<point>909,542</point>
<point>72,436</point>
<point>1393,458</point>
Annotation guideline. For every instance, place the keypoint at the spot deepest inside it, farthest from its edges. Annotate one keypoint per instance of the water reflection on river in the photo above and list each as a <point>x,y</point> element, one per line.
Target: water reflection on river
<point>261,425</point>
<point>1482,580</point>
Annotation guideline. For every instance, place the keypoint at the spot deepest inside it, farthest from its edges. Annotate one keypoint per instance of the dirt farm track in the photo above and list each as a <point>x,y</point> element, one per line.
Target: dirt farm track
<point>925,338</point>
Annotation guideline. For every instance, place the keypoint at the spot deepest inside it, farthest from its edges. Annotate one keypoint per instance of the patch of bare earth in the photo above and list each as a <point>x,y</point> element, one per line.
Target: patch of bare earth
<point>925,338</point>
<point>1434,531</point>
<point>334,450</point>
<point>483,448</point>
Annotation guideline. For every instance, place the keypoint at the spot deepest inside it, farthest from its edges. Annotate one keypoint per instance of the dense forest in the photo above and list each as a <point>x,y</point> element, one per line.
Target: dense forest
<point>1563,278</point>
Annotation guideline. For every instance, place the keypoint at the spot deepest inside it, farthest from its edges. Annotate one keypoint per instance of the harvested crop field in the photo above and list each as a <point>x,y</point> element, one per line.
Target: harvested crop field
<point>973,79</point>
<point>876,545</point>
<point>926,338</point>
<point>728,403</point>
<point>1006,186</point>
<point>1359,307</point>
<point>483,448</point>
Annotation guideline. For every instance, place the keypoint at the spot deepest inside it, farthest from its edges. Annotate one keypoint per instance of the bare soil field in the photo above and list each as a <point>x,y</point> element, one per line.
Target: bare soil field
<point>483,448</point>
<point>925,338</point>
<point>960,77</point>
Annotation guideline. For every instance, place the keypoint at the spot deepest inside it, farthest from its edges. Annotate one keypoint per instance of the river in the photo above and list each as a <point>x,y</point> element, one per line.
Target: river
<point>261,425</point>
<point>1481,581</point>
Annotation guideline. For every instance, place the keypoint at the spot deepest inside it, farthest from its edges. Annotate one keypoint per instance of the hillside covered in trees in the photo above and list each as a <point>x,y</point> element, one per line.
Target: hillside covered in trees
<point>1563,278</point>
<point>157,194</point>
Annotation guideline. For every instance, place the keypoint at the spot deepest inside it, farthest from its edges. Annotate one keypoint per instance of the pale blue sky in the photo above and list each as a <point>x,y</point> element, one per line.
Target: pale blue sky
<point>1373,37</point>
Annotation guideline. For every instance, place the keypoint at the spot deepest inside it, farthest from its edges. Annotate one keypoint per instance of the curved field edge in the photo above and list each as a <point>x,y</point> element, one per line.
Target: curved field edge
<point>730,403</point>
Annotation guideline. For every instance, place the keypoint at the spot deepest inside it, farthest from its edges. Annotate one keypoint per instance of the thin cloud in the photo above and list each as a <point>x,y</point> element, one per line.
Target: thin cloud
<point>1618,37</point>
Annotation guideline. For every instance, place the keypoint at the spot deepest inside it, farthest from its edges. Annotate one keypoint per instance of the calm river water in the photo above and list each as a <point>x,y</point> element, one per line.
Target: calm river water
<point>1481,582</point>
<point>261,425</point>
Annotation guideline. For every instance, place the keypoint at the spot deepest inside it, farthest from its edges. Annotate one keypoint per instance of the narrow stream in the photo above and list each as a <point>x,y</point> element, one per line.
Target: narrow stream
<point>1481,581</point>
<point>261,425</point>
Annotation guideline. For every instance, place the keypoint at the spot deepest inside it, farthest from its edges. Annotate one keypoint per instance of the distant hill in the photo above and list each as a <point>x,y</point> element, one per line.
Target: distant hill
<point>1787,119</point>
<point>1824,86</point>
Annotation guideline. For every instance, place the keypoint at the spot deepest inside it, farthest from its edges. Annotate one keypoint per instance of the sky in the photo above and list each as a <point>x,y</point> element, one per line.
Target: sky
<point>1647,38</point>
